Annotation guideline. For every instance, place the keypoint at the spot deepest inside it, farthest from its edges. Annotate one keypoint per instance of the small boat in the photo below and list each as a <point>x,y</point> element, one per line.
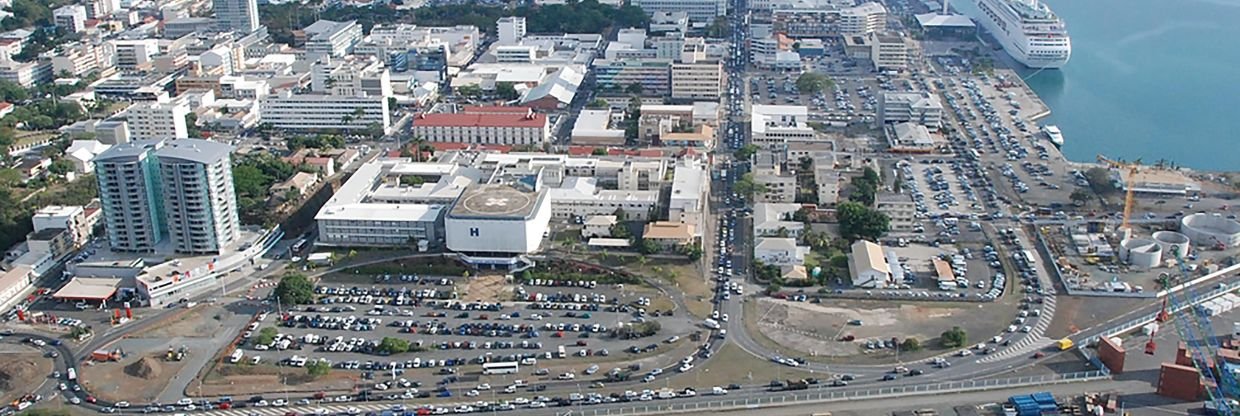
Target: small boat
<point>1053,133</point>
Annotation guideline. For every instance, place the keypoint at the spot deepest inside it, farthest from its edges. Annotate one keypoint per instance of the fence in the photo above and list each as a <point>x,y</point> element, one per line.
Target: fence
<point>1145,319</point>
<point>827,396</point>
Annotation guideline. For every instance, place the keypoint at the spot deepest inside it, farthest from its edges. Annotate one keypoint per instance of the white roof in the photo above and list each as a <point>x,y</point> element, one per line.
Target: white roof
<point>775,244</point>
<point>868,256</point>
<point>594,123</point>
<point>561,84</point>
<point>781,110</point>
<point>771,215</point>
<point>606,220</point>
<point>911,133</point>
<point>381,212</point>
<point>688,182</point>
<point>945,20</point>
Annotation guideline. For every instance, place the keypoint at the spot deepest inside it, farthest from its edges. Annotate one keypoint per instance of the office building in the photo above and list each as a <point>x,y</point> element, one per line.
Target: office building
<point>899,208</point>
<point>650,76</point>
<point>921,108</point>
<point>25,74</point>
<point>161,119</point>
<point>239,16</point>
<point>352,76</point>
<point>328,38</point>
<point>889,51</point>
<point>864,19</point>
<point>324,112</point>
<point>780,183</point>
<point>697,80</point>
<point>511,29</point>
<point>700,11</point>
<point>689,193</point>
<point>134,54</point>
<point>772,126</point>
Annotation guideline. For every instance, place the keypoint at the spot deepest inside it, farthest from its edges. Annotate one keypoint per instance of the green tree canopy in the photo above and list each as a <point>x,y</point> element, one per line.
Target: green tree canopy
<point>813,82</point>
<point>295,289</point>
<point>747,187</point>
<point>865,187</point>
<point>266,336</point>
<point>953,338</point>
<point>860,222</point>
<point>318,368</point>
<point>746,152</point>
<point>391,345</point>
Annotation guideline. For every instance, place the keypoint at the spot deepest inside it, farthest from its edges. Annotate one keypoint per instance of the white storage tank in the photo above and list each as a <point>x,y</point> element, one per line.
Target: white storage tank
<point>1171,241</point>
<point>1140,253</point>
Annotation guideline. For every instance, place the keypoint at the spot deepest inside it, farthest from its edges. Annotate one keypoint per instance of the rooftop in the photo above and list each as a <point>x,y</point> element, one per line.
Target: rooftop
<point>495,201</point>
<point>869,256</point>
<point>195,150</point>
<point>522,120</point>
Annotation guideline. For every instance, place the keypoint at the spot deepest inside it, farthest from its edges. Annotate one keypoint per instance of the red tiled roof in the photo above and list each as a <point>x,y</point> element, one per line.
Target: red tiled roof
<point>5,105</point>
<point>481,120</point>
<point>581,150</point>
<point>492,109</point>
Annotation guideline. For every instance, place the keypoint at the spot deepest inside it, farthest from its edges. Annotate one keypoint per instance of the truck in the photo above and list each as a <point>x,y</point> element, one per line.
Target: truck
<point>1063,344</point>
<point>788,385</point>
<point>560,353</point>
<point>236,356</point>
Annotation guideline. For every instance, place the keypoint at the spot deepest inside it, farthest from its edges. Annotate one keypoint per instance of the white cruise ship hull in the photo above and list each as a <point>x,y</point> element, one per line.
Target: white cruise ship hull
<point>1018,45</point>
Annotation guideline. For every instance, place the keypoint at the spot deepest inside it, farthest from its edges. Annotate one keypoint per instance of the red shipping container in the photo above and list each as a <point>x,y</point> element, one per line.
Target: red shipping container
<point>1111,355</point>
<point>1179,382</point>
<point>1183,357</point>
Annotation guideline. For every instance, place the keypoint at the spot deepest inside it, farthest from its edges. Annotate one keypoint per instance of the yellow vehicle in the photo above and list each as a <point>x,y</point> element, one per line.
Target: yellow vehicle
<point>1064,344</point>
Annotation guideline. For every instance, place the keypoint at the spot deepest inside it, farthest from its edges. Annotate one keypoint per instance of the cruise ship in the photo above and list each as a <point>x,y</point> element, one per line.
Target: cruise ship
<point>1028,30</point>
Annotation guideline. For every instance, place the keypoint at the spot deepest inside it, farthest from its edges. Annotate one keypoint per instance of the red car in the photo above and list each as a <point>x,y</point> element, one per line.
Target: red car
<point>90,399</point>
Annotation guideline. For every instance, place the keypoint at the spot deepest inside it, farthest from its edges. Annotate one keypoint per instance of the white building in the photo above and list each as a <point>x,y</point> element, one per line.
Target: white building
<point>82,154</point>
<point>322,112</point>
<point>25,74</point>
<point>701,11</point>
<point>355,77</point>
<point>690,190</point>
<point>492,223</point>
<point>592,128</point>
<point>485,125</point>
<point>921,108</point>
<point>697,81</point>
<point>770,219</point>
<point>869,266</point>
<point>863,19</point>
<point>163,119</point>
<point>899,208</point>
<point>134,54</point>
<point>581,197</point>
<point>889,51</point>
<point>71,18</point>
<point>772,126</point>
<point>909,137</point>
<point>511,29</point>
<point>598,226</point>
<point>379,207</point>
<point>76,59</point>
<point>776,251</point>
<point>236,15</point>
<point>328,38</point>
<point>768,170</point>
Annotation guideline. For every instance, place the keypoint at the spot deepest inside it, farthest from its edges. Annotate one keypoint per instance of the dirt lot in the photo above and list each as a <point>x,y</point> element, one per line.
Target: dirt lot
<point>199,322</point>
<point>20,372</point>
<point>227,380</point>
<point>733,365</point>
<point>797,328</point>
<point>676,275</point>
<point>137,378</point>
<point>488,288</point>
<point>1075,313</point>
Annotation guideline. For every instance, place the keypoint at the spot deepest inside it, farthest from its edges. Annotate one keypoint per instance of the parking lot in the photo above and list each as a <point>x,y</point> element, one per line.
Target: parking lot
<point>553,321</point>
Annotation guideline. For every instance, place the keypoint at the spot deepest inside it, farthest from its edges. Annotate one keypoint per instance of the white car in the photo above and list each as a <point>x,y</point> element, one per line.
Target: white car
<point>537,405</point>
<point>352,410</point>
<point>184,401</point>
<point>484,386</point>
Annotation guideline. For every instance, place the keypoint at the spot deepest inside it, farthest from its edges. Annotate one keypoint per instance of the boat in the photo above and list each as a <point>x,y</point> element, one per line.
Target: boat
<point>1028,31</point>
<point>1053,133</point>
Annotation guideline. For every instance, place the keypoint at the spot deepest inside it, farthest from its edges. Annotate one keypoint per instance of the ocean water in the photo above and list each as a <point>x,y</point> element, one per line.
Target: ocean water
<point>1149,79</point>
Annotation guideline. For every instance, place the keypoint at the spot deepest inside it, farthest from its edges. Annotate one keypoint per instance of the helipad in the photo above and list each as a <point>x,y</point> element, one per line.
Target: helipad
<point>494,201</point>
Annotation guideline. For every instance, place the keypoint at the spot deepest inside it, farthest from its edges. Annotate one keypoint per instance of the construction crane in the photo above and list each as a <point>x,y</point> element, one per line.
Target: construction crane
<point>1197,334</point>
<point>1132,169</point>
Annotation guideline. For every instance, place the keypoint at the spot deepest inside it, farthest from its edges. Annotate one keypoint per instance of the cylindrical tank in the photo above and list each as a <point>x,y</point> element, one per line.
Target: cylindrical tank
<point>1208,230</point>
<point>1140,253</point>
<point>1170,241</point>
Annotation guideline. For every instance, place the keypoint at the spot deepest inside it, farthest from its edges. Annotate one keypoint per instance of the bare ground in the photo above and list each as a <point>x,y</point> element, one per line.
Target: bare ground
<point>198,322</point>
<point>488,288</point>
<point>264,378</point>
<point>110,382</point>
<point>20,372</point>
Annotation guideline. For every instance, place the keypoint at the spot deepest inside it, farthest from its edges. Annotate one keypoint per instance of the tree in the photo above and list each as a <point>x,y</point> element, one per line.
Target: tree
<point>391,345</point>
<point>412,180</point>
<point>506,91</point>
<point>953,338</point>
<point>634,88</point>
<point>295,289</point>
<point>266,336</point>
<point>746,152</point>
<point>598,103</point>
<point>865,187</point>
<point>694,251</point>
<point>599,151</point>
<point>471,90</point>
<point>813,83</point>
<point>318,368</point>
<point>191,125</point>
<point>60,167</point>
<point>1080,196</point>
<point>910,345</point>
<point>620,230</point>
<point>719,28</point>
<point>647,246</point>
<point>747,187</point>
<point>1100,180</point>
<point>860,222</point>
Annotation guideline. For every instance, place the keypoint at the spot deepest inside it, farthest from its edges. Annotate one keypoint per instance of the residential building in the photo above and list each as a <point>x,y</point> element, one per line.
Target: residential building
<point>899,208</point>
<point>199,202</point>
<point>323,112</point>
<point>355,77</point>
<point>511,29</point>
<point>328,38</point>
<point>162,119</point>
<point>485,125</point>
<point>697,80</point>
<point>71,18</point>
<point>922,108</point>
<point>101,9</point>
<point>239,16</point>
<point>76,59</point>
<point>134,54</point>
<point>129,191</point>
<point>669,234</point>
<point>82,154</point>
<point>25,74</point>
<point>869,266</point>
<point>598,226</point>
<point>701,137</point>
<point>701,11</point>
<point>781,185</point>
<point>775,220</point>
<point>72,218</point>
<point>889,51</point>
<point>772,126</point>
<point>776,251</point>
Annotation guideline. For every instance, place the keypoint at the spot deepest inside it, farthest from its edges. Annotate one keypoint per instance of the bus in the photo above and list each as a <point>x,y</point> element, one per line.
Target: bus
<point>71,375</point>
<point>510,367</point>
<point>298,246</point>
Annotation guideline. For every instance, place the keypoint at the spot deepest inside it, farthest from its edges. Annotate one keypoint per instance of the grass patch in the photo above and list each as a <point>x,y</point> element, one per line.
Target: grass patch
<point>733,365</point>
<point>423,266</point>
